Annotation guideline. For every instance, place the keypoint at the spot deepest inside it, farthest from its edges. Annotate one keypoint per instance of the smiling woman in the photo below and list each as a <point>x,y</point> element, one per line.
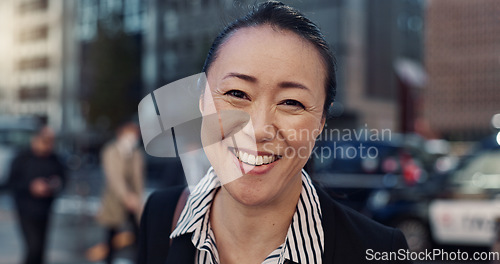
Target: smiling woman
<point>256,204</point>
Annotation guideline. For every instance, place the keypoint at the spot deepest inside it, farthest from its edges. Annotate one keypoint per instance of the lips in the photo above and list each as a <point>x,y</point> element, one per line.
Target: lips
<point>254,160</point>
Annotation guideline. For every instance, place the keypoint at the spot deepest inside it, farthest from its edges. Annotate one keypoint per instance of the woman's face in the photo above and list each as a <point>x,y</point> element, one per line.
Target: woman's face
<point>277,79</point>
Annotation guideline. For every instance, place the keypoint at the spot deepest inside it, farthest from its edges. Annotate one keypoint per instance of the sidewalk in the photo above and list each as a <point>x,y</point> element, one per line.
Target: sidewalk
<point>73,229</point>
<point>67,239</point>
<point>70,236</point>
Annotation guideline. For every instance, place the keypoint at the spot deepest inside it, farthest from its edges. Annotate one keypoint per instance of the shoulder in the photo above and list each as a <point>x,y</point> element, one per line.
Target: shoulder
<point>160,199</point>
<point>350,233</point>
<point>156,223</point>
<point>58,162</point>
<point>56,157</point>
<point>20,158</point>
<point>160,207</point>
<point>23,154</point>
<point>109,152</point>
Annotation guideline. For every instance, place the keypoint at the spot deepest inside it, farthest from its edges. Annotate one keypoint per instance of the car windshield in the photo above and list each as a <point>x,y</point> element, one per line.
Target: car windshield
<point>481,172</point>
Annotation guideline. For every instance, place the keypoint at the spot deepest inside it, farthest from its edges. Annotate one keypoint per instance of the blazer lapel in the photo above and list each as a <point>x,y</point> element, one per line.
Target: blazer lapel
<point>328,223</point>
<point>182,250</point>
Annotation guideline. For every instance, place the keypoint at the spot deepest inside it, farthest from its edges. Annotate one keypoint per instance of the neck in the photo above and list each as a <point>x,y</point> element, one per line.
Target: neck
<point>247,226</point>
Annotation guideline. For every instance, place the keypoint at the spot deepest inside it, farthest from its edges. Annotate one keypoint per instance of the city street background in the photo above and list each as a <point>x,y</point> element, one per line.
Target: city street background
<point>427,72</point>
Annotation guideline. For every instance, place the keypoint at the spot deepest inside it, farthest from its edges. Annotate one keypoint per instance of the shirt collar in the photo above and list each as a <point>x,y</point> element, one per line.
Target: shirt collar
<point>304,242</point>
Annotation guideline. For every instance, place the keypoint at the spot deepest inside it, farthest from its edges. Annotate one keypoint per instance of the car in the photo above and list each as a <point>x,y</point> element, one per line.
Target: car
<point>459,208</point>
<point>351,170</point>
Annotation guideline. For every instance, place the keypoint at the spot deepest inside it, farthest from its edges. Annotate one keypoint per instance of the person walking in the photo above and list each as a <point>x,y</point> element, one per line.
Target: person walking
<point>36,178</point>
<point>123,167</point>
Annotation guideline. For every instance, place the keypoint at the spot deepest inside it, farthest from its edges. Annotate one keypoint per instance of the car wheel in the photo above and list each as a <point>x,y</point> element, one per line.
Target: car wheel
<point>416,233</point>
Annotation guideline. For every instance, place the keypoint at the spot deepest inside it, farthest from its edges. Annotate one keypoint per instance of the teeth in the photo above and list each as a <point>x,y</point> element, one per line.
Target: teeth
<point>254,160</point>
<point>251,159</point>
<point>244,157</point>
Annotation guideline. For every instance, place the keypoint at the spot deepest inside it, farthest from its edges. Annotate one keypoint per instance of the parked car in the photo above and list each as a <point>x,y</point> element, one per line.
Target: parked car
<point>457,208</point>
<point>352,170</point>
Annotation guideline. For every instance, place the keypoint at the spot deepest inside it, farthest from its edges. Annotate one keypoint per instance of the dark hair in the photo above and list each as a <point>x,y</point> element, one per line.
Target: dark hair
<point>279,15</point>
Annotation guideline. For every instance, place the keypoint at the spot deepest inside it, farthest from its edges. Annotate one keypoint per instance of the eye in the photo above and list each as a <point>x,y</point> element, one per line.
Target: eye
<point>237,94</point>
<point>294,103</point>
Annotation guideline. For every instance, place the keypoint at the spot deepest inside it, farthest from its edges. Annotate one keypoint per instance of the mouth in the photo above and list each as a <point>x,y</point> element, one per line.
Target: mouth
<point>254,158</point>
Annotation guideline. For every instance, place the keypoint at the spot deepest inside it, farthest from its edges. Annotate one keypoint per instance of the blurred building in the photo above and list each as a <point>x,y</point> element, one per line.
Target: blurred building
<point>7,42</point>
<point>367,37</point>
<point>376,35</point>
<point>54,68</point>
<point>109,39</point>
<point>463,62</point>
<point>178,36</point>
<point>179,33</point>
<point>38,70</point>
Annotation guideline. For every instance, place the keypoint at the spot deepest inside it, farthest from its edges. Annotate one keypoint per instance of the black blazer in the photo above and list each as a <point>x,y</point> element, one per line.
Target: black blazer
<point>348,234</point>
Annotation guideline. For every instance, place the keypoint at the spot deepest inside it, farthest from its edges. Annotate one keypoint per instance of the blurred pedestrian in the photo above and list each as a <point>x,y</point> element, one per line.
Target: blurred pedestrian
<point>123,168</point>
<point>36,177</point>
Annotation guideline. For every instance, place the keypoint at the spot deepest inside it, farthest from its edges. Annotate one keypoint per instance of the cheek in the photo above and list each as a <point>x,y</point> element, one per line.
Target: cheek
<point>300,135</point>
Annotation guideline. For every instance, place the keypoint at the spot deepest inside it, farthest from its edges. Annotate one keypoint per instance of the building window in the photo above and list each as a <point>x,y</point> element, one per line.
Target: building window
<point>132,18</point>
<point>34,63</point>
<point>33,93</point>
<point>34,34</point>
<point>87,11</point>
<point>33,5</point>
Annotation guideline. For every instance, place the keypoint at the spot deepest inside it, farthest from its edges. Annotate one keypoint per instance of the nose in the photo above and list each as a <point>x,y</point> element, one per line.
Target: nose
<point>263,124</point>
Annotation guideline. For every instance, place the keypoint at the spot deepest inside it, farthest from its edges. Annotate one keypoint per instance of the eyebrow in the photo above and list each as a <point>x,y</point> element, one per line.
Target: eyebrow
<point>241,76</point>
<point>292,85</point>
<point>248,78</point>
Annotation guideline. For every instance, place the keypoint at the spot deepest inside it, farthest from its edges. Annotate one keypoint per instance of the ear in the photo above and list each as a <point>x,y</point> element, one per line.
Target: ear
<point>321,125</point>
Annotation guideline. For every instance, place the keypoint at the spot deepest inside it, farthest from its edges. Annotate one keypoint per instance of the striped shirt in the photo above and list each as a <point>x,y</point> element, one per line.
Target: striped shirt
<point>304,242</point>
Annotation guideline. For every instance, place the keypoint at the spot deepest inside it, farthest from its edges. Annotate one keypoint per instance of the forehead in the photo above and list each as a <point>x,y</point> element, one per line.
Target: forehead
<point>271,53</point>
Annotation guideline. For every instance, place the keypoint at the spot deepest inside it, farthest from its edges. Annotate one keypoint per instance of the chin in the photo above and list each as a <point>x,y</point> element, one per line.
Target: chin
<point>250,195</point>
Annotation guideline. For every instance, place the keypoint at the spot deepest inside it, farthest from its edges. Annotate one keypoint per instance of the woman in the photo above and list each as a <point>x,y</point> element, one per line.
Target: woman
<point>257,205</point>
<point>123,166</point>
